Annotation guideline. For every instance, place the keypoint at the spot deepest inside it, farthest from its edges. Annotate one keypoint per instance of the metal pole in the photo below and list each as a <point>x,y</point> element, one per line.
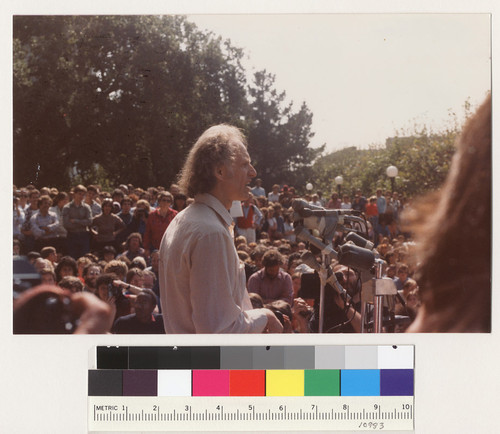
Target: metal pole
<point>322,278</point>
<point>378,300</point>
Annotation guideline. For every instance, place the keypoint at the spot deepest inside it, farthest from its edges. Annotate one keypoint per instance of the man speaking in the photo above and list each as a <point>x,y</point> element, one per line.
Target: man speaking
<point>202,282</point>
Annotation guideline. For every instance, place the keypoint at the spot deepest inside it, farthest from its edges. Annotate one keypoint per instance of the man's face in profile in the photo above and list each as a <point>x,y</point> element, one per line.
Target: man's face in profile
<point>239,174</point>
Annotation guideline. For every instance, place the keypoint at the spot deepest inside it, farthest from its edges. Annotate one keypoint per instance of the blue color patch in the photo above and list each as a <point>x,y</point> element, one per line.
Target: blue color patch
<point>396,382</point>
<point>360,382</point>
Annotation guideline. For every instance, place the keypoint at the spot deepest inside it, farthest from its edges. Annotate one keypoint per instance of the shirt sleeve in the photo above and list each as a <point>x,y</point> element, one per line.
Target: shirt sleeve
<point>216,290</point>
<point>55,222</point>
<point>258,215</point>
<point>37,232</point>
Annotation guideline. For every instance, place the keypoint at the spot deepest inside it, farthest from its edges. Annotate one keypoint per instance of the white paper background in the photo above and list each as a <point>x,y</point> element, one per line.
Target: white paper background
<point>43,379</point>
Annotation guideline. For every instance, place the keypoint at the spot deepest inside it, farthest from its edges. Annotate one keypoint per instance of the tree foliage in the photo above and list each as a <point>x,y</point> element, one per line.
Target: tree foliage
<point>121,99</point>
<point>422,159</point>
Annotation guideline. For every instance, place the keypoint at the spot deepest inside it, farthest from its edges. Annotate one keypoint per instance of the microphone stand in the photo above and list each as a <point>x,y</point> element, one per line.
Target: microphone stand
<point>378,300</point>
<point>323,275</point>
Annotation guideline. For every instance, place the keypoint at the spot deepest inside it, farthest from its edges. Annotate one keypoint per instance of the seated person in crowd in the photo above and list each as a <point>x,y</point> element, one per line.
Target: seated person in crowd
<point>272,283</point>
<point>143,320</point>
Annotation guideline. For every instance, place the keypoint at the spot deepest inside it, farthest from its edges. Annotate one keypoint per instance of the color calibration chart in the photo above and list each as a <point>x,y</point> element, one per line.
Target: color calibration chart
<point>251,388</point>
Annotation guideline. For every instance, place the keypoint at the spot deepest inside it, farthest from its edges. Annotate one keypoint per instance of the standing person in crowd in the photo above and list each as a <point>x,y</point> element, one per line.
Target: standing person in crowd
<point>271,224</point>
<point>92,193</point>
<point>58,202</point>
<point>334,202</point>
<point>107,226</point>
<point>274,195</point>
<point>315,200</point>
<point>117,195</point>
<point>202,282</point>
<point>286,197</point>
<point>158,222</point>
<point>180,202</point>
<point>77,216</point>
<point>453,234</point>
<point>126,216</point>
<point>44,224</point>
<point>362,199</point>
<point>23,199</point>
<point>258,190</point>
<point>174,189</point>
<point>247,224</point>
<point>396,205</point>
<point>381,228</point>
<point>346,202</point>
<point>272,283</point>
<point>140,217</point>
<point>371,213</point>
<point>18,220</point>
<point>28,241</point>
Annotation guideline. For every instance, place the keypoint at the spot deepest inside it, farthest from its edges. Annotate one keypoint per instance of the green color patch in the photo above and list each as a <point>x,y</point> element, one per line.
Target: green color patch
<point>322,382</point>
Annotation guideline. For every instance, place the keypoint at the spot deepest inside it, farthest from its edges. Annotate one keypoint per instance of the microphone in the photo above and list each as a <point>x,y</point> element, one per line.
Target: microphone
<point>301,233</point>
<point>359,241</point>
<point>356,257</point>
<point>299,204</point>
<point>326,224</point>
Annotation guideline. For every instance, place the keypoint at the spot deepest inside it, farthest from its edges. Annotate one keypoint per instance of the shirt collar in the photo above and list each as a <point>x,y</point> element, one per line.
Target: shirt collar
<point>216,205</point>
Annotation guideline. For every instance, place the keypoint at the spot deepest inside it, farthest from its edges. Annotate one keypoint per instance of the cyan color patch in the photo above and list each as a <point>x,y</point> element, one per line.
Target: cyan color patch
<point>360,382</point>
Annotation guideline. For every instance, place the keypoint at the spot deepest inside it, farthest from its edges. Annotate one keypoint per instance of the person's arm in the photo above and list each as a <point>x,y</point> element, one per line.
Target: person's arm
<point>119,226</point>
<point>258,216</point>
<point>52,227</point>
<point>352,314</point>
<point>87,219</point>
<point>95,316</point>
<point>127,287</point>
<point>35,229</point>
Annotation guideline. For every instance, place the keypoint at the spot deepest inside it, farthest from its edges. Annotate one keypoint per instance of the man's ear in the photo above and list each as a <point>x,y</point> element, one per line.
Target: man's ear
<point>220,172</point>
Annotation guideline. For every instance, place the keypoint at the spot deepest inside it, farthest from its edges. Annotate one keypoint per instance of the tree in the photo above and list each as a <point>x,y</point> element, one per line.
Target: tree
<point>279,138</point>
<point>123,96</point>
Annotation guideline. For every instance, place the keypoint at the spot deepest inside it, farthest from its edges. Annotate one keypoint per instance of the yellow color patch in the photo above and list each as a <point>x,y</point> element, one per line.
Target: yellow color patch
<point>285,382</point>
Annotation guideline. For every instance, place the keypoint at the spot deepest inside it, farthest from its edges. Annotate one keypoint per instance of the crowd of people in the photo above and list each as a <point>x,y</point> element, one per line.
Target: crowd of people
<point>105,244</point>
<point>157,260</point>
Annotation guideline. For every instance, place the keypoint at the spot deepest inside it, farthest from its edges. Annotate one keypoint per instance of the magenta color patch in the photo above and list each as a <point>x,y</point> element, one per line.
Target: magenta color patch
<point>210,382</point>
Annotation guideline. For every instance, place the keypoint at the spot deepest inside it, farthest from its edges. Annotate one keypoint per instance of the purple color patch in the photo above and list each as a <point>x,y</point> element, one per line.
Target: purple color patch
<point>396,382</point>
<point>210,382</point>
<point>140,383</point>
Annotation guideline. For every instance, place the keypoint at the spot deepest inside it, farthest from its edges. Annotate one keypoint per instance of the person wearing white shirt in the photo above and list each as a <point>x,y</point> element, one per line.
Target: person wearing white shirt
<point>202,281</point>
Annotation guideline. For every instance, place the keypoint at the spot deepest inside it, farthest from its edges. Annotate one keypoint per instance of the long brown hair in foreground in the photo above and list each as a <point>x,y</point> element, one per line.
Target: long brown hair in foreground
<point>453,232</point>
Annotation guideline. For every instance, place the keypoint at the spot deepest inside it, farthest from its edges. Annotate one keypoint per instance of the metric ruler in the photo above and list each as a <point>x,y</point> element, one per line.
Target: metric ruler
<point>334,388</point>
<point>248,414</point>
